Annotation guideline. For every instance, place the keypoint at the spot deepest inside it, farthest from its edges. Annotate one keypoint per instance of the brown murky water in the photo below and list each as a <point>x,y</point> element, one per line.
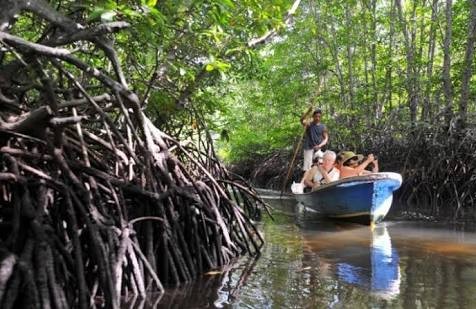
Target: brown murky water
<point>310,263</point>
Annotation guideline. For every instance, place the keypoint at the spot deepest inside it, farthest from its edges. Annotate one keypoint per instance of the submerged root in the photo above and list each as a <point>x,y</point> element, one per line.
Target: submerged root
<point>95,201</point>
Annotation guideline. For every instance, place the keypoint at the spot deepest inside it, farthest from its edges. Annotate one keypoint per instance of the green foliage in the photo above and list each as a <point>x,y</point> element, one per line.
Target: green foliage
<point>178,51</point>
<point>189,59</point>
<point>356,51</point>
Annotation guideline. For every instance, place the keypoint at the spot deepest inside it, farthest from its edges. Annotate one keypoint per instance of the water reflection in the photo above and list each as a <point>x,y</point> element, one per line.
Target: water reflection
<point>356,255</point>
<point>385,279</point>
<point>215,289</point>
<point>343,254</point>
<point>379,271</point>
<point>310,263</point>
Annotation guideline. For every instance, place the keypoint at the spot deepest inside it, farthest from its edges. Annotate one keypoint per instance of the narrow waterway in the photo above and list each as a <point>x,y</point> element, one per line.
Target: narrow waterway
<point>311,263</point>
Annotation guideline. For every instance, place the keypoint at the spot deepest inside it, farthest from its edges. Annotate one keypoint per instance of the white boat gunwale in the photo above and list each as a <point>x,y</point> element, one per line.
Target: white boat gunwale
<point>356,179</point>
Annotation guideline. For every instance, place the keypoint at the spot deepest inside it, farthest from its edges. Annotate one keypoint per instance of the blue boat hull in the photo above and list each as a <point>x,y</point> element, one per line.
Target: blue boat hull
<point>365,199</point>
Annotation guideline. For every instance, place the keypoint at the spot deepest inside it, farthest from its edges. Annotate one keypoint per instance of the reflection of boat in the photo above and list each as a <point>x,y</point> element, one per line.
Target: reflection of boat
<point>374,266</point>
<point>385,279</point>
<point>378,271</point>
<point>365,199</point>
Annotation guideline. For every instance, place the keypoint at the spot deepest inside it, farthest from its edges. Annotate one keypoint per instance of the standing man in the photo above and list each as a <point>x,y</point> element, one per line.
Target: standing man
<point>315,138</point>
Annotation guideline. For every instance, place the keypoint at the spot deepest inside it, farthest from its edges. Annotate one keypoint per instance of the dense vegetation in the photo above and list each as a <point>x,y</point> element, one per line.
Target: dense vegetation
<point>111,112</point>
<point>109,183</point>
<point>395,78</point>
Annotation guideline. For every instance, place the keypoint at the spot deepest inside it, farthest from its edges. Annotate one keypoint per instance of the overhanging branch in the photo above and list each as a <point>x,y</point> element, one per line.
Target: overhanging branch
<point>271,33</point>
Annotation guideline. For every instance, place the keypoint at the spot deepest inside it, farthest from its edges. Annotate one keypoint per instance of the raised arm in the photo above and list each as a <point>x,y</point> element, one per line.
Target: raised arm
<point>360,168</point>
<point>304,118</point>
<point>375,168</point>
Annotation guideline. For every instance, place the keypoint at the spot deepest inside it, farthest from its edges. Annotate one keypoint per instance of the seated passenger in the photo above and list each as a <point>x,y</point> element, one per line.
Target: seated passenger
<point>315,162</point>
<point>339,162</point>
<point>372,167</point>
<point>322,173</point>
<point>354,165</point>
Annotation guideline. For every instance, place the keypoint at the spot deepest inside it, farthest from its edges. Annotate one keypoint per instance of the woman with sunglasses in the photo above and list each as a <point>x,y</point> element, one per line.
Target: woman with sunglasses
<point>353,165</point>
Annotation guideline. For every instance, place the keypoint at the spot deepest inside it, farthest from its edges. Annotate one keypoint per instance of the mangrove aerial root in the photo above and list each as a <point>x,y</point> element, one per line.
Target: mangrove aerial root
<point>95,201</point>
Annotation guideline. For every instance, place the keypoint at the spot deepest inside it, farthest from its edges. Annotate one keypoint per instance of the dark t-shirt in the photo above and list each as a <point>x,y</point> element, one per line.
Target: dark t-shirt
<point>314,135</point>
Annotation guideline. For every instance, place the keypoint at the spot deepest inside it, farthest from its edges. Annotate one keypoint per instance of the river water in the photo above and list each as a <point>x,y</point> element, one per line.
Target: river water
<point>308,262</point>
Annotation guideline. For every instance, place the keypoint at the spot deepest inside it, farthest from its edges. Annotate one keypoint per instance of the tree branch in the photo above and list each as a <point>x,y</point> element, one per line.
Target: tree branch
<point>33,123</point>
<point>271,33</point>
<point>41,49</point>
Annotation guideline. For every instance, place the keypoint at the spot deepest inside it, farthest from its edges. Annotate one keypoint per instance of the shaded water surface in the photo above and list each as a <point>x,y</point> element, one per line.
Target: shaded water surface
<point>311,263</point>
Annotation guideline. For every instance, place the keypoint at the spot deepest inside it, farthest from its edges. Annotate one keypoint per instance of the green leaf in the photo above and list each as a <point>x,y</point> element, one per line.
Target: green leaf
<point>228,3</point>
<point>222,66</point>
<point>151,3</point>
<point>217,65</point>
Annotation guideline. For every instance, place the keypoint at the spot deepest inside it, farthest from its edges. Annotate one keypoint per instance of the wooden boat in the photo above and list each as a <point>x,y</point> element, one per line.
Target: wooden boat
<point>364,199</point>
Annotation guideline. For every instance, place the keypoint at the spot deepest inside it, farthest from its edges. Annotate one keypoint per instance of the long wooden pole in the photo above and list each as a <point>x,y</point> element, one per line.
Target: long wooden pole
<point>291,164</point>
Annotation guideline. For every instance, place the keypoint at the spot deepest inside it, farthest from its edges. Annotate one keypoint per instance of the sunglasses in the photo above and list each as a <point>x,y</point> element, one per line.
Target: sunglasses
<point>353,161</point>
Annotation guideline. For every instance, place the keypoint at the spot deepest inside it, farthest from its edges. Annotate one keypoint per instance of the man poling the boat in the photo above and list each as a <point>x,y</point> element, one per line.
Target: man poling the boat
<point>315,139</point>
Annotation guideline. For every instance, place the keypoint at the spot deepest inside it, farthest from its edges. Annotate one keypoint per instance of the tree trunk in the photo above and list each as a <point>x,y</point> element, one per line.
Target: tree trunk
<point>409,40</point>
<point>373,56</point>
<point>446,74</point>
<point>365,43</point>
<point>468,63</point>
<point>349,56</point>
<point>333,50</point>
<point>426,112</point>
<point>389,71</point>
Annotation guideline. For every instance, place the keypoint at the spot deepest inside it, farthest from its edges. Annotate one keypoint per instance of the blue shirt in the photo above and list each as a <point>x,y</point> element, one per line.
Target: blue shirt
<point>314,135</point>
